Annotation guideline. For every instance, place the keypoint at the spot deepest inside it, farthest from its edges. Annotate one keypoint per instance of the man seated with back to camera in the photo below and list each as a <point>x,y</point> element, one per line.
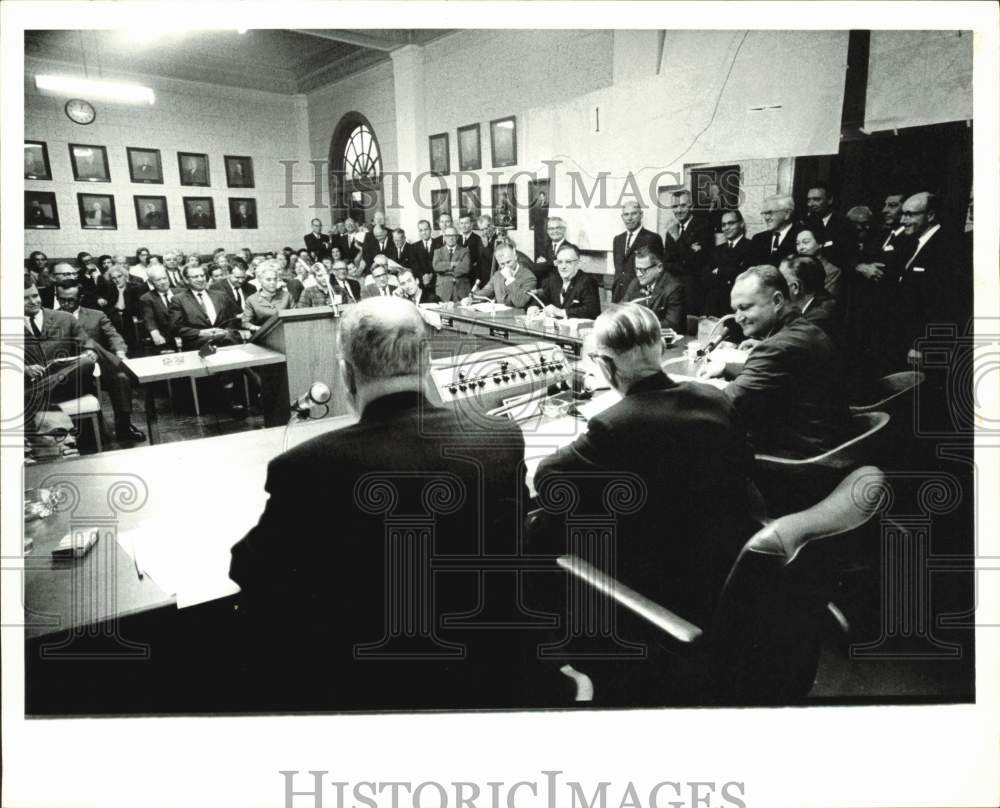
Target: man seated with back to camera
<point>110,348</point>
<point>805,277</point>
<point>658,290</point>
<point>568,292</point>
<point>681,446</point>
<point>511,282</point>
<point>314,570</point>
<point>790,392</point>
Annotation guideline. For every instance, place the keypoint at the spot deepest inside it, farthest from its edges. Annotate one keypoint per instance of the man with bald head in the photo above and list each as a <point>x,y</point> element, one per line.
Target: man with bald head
<point>625,246</point>
<point>778,240</point>
<point>334,564</point>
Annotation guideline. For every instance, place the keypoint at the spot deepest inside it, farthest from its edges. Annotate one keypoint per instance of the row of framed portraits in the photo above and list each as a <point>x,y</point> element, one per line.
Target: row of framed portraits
<point>503,203</point>
<point>97,212</point>
<point>503,147</point>
<point>90,164</point>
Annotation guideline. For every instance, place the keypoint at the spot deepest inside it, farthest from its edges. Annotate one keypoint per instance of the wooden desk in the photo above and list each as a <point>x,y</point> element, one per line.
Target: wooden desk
<point>188,364</point>
<point>502,325</point>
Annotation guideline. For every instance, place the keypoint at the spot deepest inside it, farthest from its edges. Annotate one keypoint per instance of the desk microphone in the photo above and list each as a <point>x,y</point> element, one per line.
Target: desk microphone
<point>715,341</point>
<point>317,395</point>
<point>532,293</point>
<point>644,299</point>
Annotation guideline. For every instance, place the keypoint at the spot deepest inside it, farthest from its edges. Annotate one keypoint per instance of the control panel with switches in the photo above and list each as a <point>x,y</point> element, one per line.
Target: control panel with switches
<point>489,377</point>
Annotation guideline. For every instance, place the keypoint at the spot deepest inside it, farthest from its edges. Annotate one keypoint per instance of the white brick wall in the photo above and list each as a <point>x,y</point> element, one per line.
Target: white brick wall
<point>187,116</point>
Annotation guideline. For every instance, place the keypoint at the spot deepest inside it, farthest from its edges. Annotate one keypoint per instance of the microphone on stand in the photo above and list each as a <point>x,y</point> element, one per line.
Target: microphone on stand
<point>532,293</point>
<point>715,341</point>
<point>318,394</point>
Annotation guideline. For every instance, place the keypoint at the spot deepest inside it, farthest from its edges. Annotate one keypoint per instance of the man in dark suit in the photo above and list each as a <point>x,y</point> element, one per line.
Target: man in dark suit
<point>729,260</point>
<point>778,241</point>
<point>805,277</point>
<point>322,576</point>
<point>399,251</point>
<point>546,262</point>
<point>468,238</point>
<point>657,290</point>
<point>59,359</point>
<point>790,392</point>
<point>423,253</point>
<point>199,315</point>
<point>625,245</point>
<point>568,292</point>
<point>65,272</point>
<point>155,307</point>
<point>236,286</point>
<point>377,242</point>
<point>931,288</point>
<point>833,231</point>
<point>452,266</point>
<point>171,263</point>
<point>488,234</point>
<point>348,288</point>
<point>681,449</point>
<point>687,247</point>
<point>110,349</point>
<point>380,275</point>
<point>317,242</point>
<point>409,289</point>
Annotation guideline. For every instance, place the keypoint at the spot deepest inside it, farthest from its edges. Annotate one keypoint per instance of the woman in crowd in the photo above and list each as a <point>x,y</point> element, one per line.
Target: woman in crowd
<point>806,244</point>
<point>318,293</point>
<point>268,300</point>
<point>121,302</point>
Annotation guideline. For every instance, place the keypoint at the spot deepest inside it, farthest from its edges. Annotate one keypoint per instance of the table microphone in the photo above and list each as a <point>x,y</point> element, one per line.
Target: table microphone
<point>715,341</point>
<point>317,394</point>
<point>532,293</point>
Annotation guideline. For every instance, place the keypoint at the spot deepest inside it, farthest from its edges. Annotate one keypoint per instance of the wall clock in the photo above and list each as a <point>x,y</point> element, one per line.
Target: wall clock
<point>80,111</point>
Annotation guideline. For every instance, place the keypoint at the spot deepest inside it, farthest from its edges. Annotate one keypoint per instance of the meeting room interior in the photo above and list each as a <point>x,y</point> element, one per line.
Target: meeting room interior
<point>642,378</point>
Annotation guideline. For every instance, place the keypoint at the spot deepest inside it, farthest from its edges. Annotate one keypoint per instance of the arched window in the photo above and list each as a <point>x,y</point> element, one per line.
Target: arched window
<point>355,168</point>
<point>361,155</point>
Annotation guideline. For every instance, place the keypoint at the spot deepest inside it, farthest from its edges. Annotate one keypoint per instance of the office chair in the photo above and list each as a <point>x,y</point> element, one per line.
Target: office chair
<point>789,484</point>
<point>893,393</point>
<point>762,644</point>
<point>87,407</point>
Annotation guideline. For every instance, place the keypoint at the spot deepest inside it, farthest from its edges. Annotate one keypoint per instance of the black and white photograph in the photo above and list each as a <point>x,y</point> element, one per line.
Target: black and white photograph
<point>239,172</point>
<point>440,205</point>
<point>503,141</point>
<point>193,168</point>
<point>669,479</point>
<point>470,155</point>
<point>90,163</point>
<point>40,210</point>
<point>470,202</point>
<point>440,156</point>
<point>242,213</point>
<point>151,213</point>
<point>199,212</point>
<point>36,160</point>
<point>144,165</point>
<point>97,211</point>
<point>504,205</point>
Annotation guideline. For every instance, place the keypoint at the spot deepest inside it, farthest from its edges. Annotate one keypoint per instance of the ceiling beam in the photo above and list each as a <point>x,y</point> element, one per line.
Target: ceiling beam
<point>363,40</point>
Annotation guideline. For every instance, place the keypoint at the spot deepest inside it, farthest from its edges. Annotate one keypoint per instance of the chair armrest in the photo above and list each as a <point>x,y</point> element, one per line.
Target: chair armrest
<point>664,619</point>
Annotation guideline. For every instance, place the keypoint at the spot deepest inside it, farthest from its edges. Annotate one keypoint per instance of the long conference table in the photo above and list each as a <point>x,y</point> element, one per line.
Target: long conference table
<point>154,549</point>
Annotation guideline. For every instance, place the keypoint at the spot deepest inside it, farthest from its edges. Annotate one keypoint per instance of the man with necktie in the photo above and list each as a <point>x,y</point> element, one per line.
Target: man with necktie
<point>156,308</point>
<point>626,244</point>
<point>380,274</point>
<point>348,288</point>
<point>452,266</point>
<point>729,259</point>
<point>687,247</point>
<point>778,241</point>
<point>236,286</point>
<point>568,292</point>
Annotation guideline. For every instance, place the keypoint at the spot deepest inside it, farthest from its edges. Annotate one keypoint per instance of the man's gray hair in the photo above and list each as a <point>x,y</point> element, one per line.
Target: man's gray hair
<point>383,338</point>
<point>624,326</point>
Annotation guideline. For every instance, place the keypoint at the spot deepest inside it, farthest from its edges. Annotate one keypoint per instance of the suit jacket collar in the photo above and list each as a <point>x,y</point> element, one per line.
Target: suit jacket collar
<point>655,381</point>
<point>394,405</point>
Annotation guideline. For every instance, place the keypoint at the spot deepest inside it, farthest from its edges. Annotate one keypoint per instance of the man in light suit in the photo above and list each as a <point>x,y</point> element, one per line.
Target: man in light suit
<point>511,282</point>
<point>624,247</point>
<point>380,274</point>
<point>452,266</point>
<point>111,350</point>
<point>348,288</point>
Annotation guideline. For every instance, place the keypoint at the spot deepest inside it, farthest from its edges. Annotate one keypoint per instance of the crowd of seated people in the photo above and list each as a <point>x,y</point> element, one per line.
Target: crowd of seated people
<point>869,290</point>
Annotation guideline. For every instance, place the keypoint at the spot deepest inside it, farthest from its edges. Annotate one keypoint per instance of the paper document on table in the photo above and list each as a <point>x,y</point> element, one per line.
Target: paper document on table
<point>154,556</point>
<point>719,384</point>
<point>488,308</point>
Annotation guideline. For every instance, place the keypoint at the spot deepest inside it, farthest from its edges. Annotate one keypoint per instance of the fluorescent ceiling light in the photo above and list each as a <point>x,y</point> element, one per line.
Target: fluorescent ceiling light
<point>90,88</point>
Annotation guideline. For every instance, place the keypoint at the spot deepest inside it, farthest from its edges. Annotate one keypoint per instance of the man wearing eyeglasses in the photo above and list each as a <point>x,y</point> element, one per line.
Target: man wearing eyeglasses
<point>729,259</point>
<point>657,290</point>
<point>778,241</point>
<point>568,292</point>
<point>380,275</point>
<point>679,447</point>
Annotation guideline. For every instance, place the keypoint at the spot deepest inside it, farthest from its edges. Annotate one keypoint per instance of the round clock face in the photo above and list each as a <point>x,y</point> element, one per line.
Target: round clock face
<point>80,111</point>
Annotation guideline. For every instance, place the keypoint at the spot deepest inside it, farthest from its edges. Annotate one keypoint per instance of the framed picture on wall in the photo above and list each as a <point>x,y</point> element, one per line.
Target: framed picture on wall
<point>40,210</point>
<point>470,202</point>
<point>36,161</point>
<point>470,156</point>
<point>242,213</point>
<point>504,199</point>
<point>90,163</point>
<point>503,141</point>
<point>151,212</point>
<point>97,211</point>
<point>714,190</point>
<point>193,168</point>
<point>199,212</point>
<point>239,171</point>
<point>440,158</point>
<point>144,165</point>
<point>440,203</point>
